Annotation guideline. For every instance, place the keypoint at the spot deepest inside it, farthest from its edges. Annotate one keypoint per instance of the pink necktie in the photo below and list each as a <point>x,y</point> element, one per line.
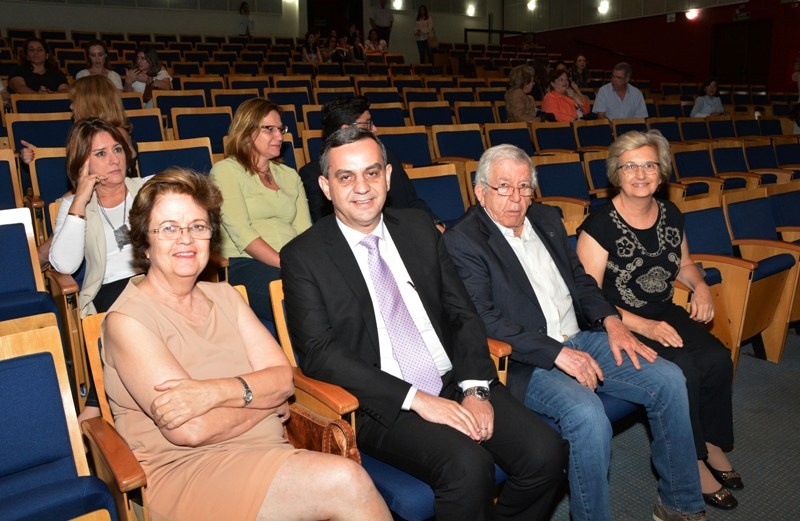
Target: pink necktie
<point>408,348</point>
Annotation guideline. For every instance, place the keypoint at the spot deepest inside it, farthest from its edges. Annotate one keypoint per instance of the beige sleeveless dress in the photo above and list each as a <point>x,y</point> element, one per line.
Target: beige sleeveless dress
<point>222,481</point>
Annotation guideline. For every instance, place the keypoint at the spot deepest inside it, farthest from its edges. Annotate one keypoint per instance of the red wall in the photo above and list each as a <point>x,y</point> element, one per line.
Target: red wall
<point>683,46</point>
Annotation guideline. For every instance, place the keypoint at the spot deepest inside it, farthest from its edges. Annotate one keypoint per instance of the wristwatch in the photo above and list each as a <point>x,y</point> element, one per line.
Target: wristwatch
<point>248,394</point>
<point>481,393</point>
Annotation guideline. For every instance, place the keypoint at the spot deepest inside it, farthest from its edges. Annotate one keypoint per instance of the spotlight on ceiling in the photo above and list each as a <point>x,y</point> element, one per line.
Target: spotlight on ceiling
<point>603,7</point>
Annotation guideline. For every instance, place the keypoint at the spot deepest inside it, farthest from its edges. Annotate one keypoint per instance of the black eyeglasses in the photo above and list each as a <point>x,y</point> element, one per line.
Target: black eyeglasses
<point>283,129</point>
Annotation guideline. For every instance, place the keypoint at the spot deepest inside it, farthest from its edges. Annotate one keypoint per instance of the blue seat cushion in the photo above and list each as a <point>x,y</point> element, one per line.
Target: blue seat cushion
<point>713,276</point>
<point>65,499</point>
<point>26,303</point>
<point>773,265</point>
<point>406,496</point>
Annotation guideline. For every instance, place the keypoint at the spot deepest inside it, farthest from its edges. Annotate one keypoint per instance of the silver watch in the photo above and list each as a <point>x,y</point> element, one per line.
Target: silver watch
<point>479,392</point>
<point>248,394</point>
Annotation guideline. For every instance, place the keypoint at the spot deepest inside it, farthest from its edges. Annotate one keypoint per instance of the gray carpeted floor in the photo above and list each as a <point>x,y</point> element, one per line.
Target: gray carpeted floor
<point>766,412</point>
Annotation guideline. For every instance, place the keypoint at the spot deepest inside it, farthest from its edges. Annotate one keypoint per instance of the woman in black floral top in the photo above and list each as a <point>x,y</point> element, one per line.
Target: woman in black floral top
<point>635,248</point>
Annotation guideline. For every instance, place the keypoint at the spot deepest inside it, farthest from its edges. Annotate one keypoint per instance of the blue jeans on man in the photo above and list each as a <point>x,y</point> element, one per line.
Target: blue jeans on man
<point>659,386</point>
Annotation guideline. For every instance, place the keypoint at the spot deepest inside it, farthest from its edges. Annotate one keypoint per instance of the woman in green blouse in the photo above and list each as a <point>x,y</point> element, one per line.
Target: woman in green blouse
<point>264,204</point>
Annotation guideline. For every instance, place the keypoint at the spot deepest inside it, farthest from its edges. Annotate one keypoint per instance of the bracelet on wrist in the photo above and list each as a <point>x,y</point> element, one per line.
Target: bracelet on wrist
<point>79,216</point>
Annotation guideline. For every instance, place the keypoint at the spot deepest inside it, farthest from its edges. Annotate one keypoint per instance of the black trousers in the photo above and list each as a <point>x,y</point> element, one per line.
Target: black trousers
<point>708,369</point>
<point>461,471</point>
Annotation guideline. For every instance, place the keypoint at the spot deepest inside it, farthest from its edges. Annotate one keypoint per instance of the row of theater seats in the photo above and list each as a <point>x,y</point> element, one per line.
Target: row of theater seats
<point>761,289</point>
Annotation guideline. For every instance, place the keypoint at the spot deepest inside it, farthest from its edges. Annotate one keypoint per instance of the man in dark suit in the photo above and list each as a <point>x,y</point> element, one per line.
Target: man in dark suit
<point>354,111</point>
<point>567,340</point>
<point>451,426</point>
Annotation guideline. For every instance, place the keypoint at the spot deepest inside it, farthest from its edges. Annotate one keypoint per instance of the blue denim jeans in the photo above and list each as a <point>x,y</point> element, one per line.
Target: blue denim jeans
<point>659,386</point>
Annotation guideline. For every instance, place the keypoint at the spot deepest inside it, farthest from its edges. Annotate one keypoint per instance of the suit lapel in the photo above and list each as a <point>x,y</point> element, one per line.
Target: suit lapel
<point>341,256</point>
<point>505,254</point>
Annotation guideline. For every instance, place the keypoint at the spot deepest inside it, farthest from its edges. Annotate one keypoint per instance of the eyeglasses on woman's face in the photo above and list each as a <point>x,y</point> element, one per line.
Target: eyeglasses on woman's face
<point>630,168</point>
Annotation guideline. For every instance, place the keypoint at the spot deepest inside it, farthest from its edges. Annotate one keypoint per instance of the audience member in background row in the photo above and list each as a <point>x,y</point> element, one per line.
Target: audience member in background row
<point>709,104</point>
<point>568,343</point>
<point>311,52</point>
<point>94,96</point>
<point>147,75</point>
<point>375,46</point>
<point>329,46</point>
<point>37,71</point>
<point>354,112</point>
<point>352,34</point>
<point>246,21</point>
<point>381,19</point>
<point>342,53</point>
<point>562,100</point>
<point>97,64</point>
<point>580,72</point>
<point>423,27</point>
<point>264,205</point>
<point>92,222</point>
<point>199,389</point>
<point>375,305</point>
<point>619,99</point>
<point>4,97</point>
<point>635,249</point>
<point>519,102</point>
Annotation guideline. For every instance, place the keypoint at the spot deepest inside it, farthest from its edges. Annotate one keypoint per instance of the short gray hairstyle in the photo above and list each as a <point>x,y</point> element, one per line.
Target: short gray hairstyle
<point>500,153</point>
<point>633,140</point>
<point>624,67</point>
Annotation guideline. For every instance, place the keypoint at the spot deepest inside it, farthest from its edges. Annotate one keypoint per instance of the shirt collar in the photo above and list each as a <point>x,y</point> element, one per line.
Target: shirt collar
<point>353,237</point>
<point>508,233</point>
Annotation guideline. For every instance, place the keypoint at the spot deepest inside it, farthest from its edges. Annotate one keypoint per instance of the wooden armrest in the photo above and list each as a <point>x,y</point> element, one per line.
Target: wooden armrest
<point>702,179</point>
<point>34,201</point>
<point>723,260</point>
<point>758,249</point>
<point>109,446</point>
<point>783,176</point>
<point>499,348</point>
<point>333,397</point>
<point>789,233</point>
<point>61,283</point>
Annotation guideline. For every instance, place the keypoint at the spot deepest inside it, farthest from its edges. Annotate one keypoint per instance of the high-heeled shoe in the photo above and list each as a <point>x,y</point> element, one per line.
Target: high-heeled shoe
<point>722,498</point>
<point>727,478</point>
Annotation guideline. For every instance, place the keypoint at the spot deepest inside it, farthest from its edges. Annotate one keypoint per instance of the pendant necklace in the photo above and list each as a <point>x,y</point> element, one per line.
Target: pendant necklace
<point>121,233</point>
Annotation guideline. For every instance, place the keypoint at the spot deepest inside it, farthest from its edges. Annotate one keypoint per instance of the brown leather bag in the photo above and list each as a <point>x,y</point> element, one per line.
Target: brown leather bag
<point>308,430</point>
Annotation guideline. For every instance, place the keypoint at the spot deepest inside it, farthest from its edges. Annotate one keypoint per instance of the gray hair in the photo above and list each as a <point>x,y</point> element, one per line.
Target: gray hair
<point>500,153</point>
<point>624,67</point>
<point>345,136</point>
<point>633,140</point>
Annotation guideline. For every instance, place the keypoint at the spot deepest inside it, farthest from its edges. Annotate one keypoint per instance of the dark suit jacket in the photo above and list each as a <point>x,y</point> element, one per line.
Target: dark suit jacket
<point>401,190</point>
<point>332,321</point>
<point>505,298</point>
